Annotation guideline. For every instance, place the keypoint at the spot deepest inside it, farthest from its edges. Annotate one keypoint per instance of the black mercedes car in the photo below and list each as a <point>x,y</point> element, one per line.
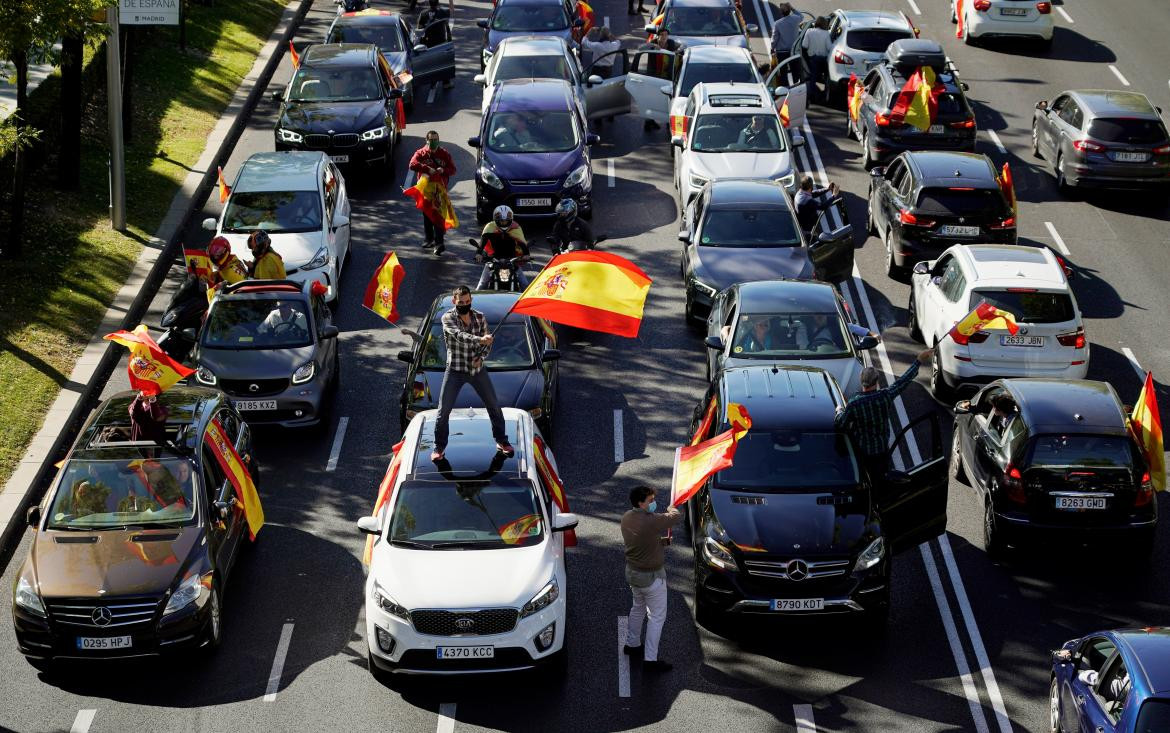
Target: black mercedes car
<point>1053,458</point>
<point>522,362</point>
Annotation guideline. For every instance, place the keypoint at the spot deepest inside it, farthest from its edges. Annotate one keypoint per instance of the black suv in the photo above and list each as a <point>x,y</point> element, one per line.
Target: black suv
<point>272,347</point>
<point>882,138</point>
<point>342,100</point>
<point>795,526</point>
<point>1056,458</point>
<point>134,542</point>
<point>923,202</point>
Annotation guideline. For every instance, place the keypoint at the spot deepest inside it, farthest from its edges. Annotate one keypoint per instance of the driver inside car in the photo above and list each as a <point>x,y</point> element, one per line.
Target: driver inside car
<point>758,134</point>
<point>286,316</point>
<point>513,134</point>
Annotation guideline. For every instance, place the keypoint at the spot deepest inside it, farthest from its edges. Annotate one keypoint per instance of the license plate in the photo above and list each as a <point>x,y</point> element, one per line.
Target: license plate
<point>936,129</point>
<point>1013,11</point>
<point>1021,340</point>
<point>534,202</point>
<point>798,604</point>
<point>954,230</point>
<point>1080,502</point>
<point>1130,157</point>
<point>254,405</point>
<point>465,652</point>
<point>339,158</point>
<point>104,642</point>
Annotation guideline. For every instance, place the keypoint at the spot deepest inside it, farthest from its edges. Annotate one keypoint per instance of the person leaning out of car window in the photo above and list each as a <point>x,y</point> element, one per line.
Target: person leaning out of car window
<point>810,202</point>
<point>266,263</point>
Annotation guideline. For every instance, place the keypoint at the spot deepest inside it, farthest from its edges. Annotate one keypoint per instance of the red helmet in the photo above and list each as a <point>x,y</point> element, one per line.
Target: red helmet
<point>218,250</point>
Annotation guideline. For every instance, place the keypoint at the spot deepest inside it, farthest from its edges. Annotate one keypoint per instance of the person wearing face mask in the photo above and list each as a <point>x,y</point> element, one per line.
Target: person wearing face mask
<point>642,530</point>
<point>433,161</point>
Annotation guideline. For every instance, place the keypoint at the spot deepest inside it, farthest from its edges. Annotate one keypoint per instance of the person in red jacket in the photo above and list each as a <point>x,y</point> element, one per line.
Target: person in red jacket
<point>434,162</point>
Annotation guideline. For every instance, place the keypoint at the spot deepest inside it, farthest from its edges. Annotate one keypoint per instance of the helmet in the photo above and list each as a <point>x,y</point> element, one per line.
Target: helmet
<point>259,239</point>
<point>218,250</point>
<point>502,216</point>
<point>567,209</point>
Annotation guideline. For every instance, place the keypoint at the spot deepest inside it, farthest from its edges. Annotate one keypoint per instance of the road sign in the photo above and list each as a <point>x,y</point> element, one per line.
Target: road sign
<point>149,12</point>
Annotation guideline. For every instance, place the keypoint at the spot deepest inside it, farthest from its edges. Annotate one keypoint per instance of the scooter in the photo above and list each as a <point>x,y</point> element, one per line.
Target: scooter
<point>350,6</point>
<point>503,271</point>
<point>560,248</point>
<point>183,317</point>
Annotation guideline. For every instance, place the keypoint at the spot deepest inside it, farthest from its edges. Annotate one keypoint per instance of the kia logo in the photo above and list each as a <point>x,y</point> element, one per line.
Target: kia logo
<point>465,624</point>
<point>253,388</point>
<point>101,616</point>
<point>797,570</point>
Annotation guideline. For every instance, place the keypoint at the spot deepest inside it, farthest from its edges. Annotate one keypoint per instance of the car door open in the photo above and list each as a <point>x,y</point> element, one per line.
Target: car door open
<point>610,97</point>
<point>791,73</point>
<point>913,503</point>
<point>435,64</point>
<point>650,71</point>
<point>831,248</point>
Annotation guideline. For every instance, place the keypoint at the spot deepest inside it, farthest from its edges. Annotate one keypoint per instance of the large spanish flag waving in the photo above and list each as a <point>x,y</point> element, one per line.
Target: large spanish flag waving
<point>983,317</point>
<point>917,103</point>
<point>694,464</point>
<point>383,495</point>
<point>225,454</point>
<point>585,12</point>
<point>151,370</point>
<point>430,197</point>
<point>382,292</point>
<point>595,291</point>
<point>1146,424</point>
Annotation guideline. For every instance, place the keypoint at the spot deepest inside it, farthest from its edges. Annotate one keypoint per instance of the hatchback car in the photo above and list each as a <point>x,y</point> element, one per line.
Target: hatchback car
<point>527,18</point>
<point>1112,682</point>
<point>299,199</point>
<point>522,364</point>
<point>858,42</point>
<point>796,526</point>
<point>1054,457</point>
<point>272,347</point>
<point>923,202</point>
<point>533,151</point>
<point>532,57</point>
<point>709,65</point>
<point>1029,283</point>
<point>1005,19</point>
<point>467,572</point>
<point>1098,137</point>
<point>134,543</point>
<point>702,23</point>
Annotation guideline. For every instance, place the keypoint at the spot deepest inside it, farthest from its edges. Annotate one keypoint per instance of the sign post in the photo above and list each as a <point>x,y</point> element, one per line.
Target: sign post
<point>114,103</point>
<point>150,12</point>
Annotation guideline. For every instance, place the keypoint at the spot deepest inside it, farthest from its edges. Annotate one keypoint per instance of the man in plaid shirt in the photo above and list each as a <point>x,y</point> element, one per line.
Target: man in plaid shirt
<point>468,342</point>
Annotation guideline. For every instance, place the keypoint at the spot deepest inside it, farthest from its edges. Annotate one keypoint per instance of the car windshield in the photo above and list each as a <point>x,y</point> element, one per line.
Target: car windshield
<point>962,202</point>
<point>714,73</point>
<point>874,40</point>
<point>1127,130</point>
<point>532,67</point>
<point>749,228</point>
<point>737,133</point>
<point>1153,716</point>
<point>331,84</point>
<point>273,211</point>
<point>529,18</point>
<point>466,514</point>
<point>703,21</point>
<point>532,132</point>
<point>1097,451</point>
<point>1029,307</point>
<point>790,336</point>
<point>267,323</point>
<point>511,349</point>
<point>110,494</point>
<point>384,35</point>
<point>791,460</point>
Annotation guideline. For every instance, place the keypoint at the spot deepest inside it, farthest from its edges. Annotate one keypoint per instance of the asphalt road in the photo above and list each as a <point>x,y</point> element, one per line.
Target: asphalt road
<point>967,647</point>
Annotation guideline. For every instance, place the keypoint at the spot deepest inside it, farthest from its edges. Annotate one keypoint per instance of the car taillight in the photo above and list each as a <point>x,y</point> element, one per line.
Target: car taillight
<point>982,5</point>
<point>967,124</point>
<point>1075,339</point>
<point>1088,146</point>
<point>842,58</point>
<point>1162,150</point>
<point>1044,8</point>
<point>1008,223</point>
<point>1145,492</point>
<point>976,338</point>
<point>908,218</point>
<point>883,120</point>
<point>1067,268</point>
<point>1013,483</point>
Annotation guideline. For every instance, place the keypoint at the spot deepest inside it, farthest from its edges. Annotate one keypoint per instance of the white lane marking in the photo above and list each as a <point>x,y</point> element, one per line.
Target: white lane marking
<point>1117,73</point>
<point>446,718</point>
<point>1133,362</point>
<point>1056,238</point>
<point>609,171</point>
<point>431,94</point>
<point>623,659</point>
<point>1064,14</point>
<point>1001,716</point>
<point>763,31</point>
<point>914,7</point>
<point>944,610</point>
<point>278,663</point>
<point>804,719</point>
<point>338,436</point>
<point>619,440</point>
<point>995,139</point>
<point>83,720</point>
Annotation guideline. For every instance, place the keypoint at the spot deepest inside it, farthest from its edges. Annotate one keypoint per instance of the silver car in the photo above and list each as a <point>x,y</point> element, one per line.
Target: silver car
<point>533,57</point>
<point>859,40</point>
<point>702,23</point>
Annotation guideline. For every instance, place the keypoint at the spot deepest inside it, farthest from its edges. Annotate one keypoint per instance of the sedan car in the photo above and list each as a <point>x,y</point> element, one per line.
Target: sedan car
<point>1004,19</point>
<point>702,23</point>
<point>527,18</point>
<point>532,57</point>
<point>1054,458</point>
<point>1112,682</point>
<point>1098,137</point>
<point>522,364</point>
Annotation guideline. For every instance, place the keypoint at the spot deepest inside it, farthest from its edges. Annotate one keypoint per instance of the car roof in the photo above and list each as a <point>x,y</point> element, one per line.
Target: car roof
<point>266,289</point>
<point>339,54</point>
<point>1012,266</point>
<point>473,453</point>
<point>532,94</point>
<point>789,296</point>
<point>187,407</point>
<point>1110,102</point>
<point>728,91</point>
<point>532,45</point>
<point>699,3</point>
<point>716,54</point>
<point>493,304</point>
<point>369,16</point>
<point>528,2</point>
<point>1151,648</point>
<point>285,170</point>
<point>735,192</point>
<point>859,19</point>
<point>782,396</point>
<point>1068,406</point>
<point>948,168</point>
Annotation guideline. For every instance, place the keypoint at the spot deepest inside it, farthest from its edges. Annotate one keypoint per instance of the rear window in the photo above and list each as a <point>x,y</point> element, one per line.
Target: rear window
<point>1029,307</point>
<point>952,202</point>
<point>874,41</point>
<point>950,104</point>
<point>1130,131</point>
<point>714,73</point>
<point>1153,717</point>
<point>782,460</point>
<point>1097,451</point>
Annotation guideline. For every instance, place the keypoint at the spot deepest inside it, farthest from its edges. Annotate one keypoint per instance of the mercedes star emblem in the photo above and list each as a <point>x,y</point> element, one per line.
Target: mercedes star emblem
<point>464,624</point>
<point>797,570</point>
<point>101,616</point>
<point>253,388</point>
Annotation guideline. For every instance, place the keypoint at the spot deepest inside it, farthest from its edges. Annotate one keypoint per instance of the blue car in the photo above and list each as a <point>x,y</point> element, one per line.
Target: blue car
<point>527,18</point>
<point>533,150</point>
<point>1112,682</point>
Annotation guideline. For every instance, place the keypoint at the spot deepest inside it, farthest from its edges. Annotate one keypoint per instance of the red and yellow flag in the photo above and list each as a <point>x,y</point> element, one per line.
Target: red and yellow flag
<point>694,464</point>
<point>296,59</point>
<point>585,12</point>
<point>198,263</point>
<point>784,117</point>
<point>854,92</point>
<point>224,189</point>
<point>430,197</point>
<point>595,291</point>
<point>1146,424</point>
<point>382,292</point>
<point>656,22</point>
<point>227,458</point>
<point>739,418</point>
<point>961,27</point>
<point>552,480</point>
<point>984,316</point>
<point>1008,186</point>
<point>400,114</point>
<point>516,530</point>
<point>151,370</point>
<point>917,103</point>
<point>384,490</point>
<point>705,423</point>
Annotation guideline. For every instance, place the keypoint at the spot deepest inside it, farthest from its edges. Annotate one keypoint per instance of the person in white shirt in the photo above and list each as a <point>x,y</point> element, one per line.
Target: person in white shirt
<point>817,46</point>
<point>599,42</point>
<point>285,312</point>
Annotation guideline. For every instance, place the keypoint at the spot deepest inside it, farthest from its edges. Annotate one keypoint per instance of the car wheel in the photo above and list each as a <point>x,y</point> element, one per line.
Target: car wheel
<point>690,309</point>
<point>870,225</point>
<point>1054,724</point>
<point>915,328</point>
<point>215,622</point>
<point>993,539</point>
<point>866,157</point>
<point>892,268</point>
<point>967,39</point>
<point>1062,183</point>
<point>938,384</point>
<point>956,467</point>
<point>1035,141</point>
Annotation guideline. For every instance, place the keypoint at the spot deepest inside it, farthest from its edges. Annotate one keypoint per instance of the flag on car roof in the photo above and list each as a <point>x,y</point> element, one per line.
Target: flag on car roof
<point>739,418</point>
<point>984,316</point>
<point>151,370</point>
<point>296,59</point>
<point>1146,423</point>
<point>384,287</point>
<point>430,197</point>
<point>552,481</point>
<point>229,460</point>
<point>595,291</point>
<point>917,103</point>
<point>224,189</point>
<point>383,495</point>
<point>694,464</point>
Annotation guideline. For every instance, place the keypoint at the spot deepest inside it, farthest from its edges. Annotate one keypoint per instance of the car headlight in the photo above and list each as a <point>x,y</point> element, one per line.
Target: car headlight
<point>203,375</point>
<point>702,286</point>
<point>487,176</point>
<point>549,593</point>
<point>194,589</point>
<point>717,554</point>
<point>27,597</point>
<point>383,600</point>
<point>698,181</point>
<point>320,257</point>
<point>577,177</point>
<point>376,134</point>
<point>288,136</point>
<point>871,556</point>
<point>789,180</point>
<point>304,373</point>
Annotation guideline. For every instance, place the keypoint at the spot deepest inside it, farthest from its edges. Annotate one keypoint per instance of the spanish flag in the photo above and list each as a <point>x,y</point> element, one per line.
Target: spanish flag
<point>855,89</point>
<point>552,481</point>
<point>959,29</point>
<point>1008,186</point>
<point>384,490</point>
<point>516,530</point>
<point>585,12</point>
<point>400,114</point>
<point>198,263</point>
<point>596,291</point>
<point>917,103</point>
<point>296,59</point>
<point>382,292</point>
<point>151,370</point>
<point>739,418</point>
<point>784,113</point>
<point>1146,424</point>
<point>694,464</point>
<point>705,423</point>
<point>225,455</point>
<point>224,189</point>
<point>983,317</point>
<point>656,22</point>
<point>432,200</point>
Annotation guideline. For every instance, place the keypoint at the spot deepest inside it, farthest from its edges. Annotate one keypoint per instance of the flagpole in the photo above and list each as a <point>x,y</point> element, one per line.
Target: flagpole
<point>521,295</point>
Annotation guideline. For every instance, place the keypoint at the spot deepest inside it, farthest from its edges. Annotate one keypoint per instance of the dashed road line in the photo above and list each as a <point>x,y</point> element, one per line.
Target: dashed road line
<point>1133,362</point>
<point>1064,14</point>
<point>1119,75</point>
<point>338,437</point>
<point>83,720</point>
<point>914,7</point>
<point>609,172</point>
<point>995,139</point>
<point>805,723</point>
<point>446,718</point>
<point>431,94</point>
<point>623,659</point>
<point>619,440</point>
<point>278,663</point>
<point>1056,238</point>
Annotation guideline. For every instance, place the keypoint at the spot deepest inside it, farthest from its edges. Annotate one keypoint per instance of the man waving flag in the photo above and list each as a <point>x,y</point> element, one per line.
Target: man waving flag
<point>1146,424</point>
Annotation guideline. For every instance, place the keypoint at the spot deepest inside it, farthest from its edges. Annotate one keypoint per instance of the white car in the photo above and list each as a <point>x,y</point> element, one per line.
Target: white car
<point>714,144</point>
<point>298,197</point>
<point>1001,18</point>
<point>468,566</point>
<point>859,40</point>
<point>532,57</point>
<point>1030,283</point>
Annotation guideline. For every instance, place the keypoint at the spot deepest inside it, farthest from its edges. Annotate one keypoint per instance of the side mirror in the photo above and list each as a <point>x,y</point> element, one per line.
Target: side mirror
<point>867,343</point>
<point>1042,105</point>
<point>406,356</point>
<point>33,516</point>
<point>550,355</point>
<point>650,28</point>
<point>713,342</point>
<point>798,142</point>
<point>414,335</point>
<point>684,236</point>
<point>592,138</point>
<point>780,91</point>
<point>474,141</point>
<point>563,522</point>
<point>420,48</point>
<point>341,220</point>
<point>667,89</point>
<point>190,333</point>
<point>878,171</point>
<point>394,94</point>
<point>370,525</point>
<point>964,86</point>
<point>329,332</point>
<point>223,510</point>
<point>677,141</point>
<point>482,23</point>
<point>277,95</point>
<point>921,268</point>
<point>963,407</point>
<point>752,27</point>
<point>209,223</point>
<point>594,79</point>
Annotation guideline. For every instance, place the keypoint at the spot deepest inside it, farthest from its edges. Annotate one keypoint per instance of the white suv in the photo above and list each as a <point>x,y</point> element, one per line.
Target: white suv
<point>1030,283</point>
<point>987,18</point>
<point>859,41</point>
<point>467,572</point>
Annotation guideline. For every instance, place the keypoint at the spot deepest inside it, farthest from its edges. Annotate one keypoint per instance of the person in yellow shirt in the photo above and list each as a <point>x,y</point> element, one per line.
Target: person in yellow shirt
<point>267,264</point>
<point>228,267</point>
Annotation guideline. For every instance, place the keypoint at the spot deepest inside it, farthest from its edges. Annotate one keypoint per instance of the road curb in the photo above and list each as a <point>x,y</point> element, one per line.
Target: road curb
<point>100,357</point>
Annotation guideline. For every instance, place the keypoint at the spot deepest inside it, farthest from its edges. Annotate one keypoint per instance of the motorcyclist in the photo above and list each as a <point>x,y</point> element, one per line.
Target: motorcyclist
<point>267,264</point>
<point>569,227</point>
<point>502,239</point>
<point>228,268</point>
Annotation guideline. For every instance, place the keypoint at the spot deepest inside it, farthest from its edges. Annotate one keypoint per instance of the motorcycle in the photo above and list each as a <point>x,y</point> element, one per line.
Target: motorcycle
<point>559,247</point>
<point>350,6</point>
<point>182,318</point>
<point>503,277</point>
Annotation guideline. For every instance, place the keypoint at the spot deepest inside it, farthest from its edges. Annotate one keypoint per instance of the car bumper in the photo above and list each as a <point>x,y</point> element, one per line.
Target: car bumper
<point>43,638</point>
<point>488,198</point>
<point>917,246</point>
<point>958,373</point>
<point>299,405</point>
<point>1020,525</point>
<point>862,63</point>
<point>743,593</point>
<point>363,154</point>
<point>1112,175</point>
<point>987,25</point>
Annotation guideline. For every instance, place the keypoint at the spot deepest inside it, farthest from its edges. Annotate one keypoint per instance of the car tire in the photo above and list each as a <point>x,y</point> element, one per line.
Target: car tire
<point>1054,724</point>
<point>956,467</point>
<point>1036,142</point>
<point>215,620</point>
<point>994,542</point>
<point>914,327</point>
<point>968,40</point>
<point>1062,183</point>
<point>892,268</point>
<point>870,224</point>
<point>938,383</point>
<point>689,310</point>
<point>867,160</point>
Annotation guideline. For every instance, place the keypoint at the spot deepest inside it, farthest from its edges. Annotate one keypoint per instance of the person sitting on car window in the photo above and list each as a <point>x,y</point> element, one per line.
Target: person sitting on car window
<point>758,134</point>
<point>1003,409</point>
<point>285,312</point>
<point>513,134</point>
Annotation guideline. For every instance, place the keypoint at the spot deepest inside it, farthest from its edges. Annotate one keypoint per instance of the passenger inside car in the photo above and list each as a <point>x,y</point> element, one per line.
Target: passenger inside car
<point>288,319</point>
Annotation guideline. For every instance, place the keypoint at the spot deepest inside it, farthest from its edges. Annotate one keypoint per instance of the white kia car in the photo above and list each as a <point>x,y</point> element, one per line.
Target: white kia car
<point>1002,18</point>
<point>1028,282</point>
<point>298,197</point>
<point>468,565</point>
